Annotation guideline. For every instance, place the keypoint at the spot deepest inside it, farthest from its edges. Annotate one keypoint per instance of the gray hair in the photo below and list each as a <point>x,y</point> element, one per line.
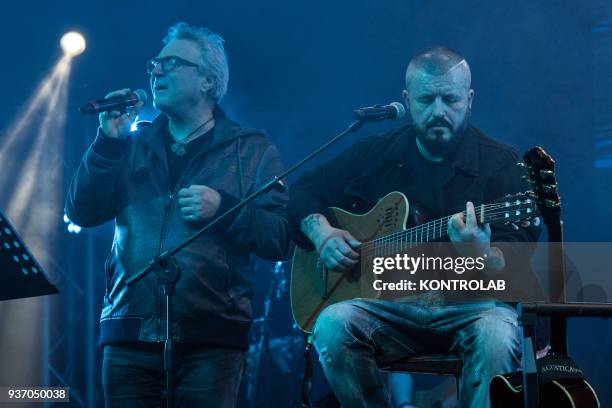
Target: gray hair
<point>213,54</point>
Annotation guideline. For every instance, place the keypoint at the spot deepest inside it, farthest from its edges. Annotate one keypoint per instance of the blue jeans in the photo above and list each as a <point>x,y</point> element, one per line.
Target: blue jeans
<point>353,337</point>
<point>133,376</point>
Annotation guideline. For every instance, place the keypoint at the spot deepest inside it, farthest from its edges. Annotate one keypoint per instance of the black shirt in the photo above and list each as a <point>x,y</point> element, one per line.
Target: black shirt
<point>428,177</point>
<point>176,163</point>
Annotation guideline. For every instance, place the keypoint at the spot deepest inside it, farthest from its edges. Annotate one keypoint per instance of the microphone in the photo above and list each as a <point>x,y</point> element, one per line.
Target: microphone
<point>118,103</point>
<point>394,111</point>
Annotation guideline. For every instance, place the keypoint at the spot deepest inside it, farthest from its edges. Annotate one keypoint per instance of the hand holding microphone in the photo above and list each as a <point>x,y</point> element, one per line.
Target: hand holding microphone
<point>117,111</point>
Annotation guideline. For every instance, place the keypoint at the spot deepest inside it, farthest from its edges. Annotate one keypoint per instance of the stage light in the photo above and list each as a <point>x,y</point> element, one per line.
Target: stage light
<point>33,163</point>
<point>73,44</point>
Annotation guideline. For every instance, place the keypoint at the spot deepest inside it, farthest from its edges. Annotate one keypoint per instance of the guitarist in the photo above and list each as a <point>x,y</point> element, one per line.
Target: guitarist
<point>443,165</point>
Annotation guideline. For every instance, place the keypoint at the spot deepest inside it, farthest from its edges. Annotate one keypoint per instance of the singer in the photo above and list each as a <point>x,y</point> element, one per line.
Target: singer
<point>160,185</point>
<point>439,162</point>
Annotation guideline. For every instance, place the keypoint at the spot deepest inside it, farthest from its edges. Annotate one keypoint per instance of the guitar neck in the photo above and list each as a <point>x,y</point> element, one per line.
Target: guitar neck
<point>437,229</point>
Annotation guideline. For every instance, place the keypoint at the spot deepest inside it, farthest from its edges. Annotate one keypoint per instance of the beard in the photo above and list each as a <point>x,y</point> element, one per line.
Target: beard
<point>440,139</point>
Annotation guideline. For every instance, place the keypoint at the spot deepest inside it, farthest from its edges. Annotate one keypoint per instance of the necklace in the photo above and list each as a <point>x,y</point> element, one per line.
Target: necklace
<point>178,148</point>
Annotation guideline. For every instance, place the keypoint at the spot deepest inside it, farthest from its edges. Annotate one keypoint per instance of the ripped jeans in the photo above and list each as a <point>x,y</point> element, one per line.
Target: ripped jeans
<point>353,337</point>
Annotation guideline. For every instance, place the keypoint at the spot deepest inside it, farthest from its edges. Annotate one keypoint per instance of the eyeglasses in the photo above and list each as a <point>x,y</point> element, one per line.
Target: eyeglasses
<point>168,64</point>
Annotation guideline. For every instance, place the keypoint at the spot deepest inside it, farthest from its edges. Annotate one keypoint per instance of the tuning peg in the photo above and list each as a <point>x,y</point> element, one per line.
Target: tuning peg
<point>549,188</point>
<point>522,165</point>
<point>528,179</point>
<point>544,173</point>
<point>552,203</point>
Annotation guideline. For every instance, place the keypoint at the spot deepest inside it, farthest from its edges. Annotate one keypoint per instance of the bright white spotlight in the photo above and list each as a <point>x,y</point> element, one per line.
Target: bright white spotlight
<point>72,43</point>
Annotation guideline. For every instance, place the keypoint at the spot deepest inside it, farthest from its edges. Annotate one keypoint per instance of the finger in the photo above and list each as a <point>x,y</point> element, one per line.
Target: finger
<point>345,260</point>
<point>110,115</point>
<point>139,105</point>
<point>338,267</point>
<point>126,119</point>
<point>196,188</point>
<point>190,217</point>
<point>131,112</point>
<point>347,251</point>
<point>352,241</point>
<point>345,263</point>
<point>331,263</point>
<point>456,222</point>
<point>183,192</point>
<point>120,92</point>
<point>188,211</point>
<point>487,229</point>
<point>470,218</point>
<point>186,201</point>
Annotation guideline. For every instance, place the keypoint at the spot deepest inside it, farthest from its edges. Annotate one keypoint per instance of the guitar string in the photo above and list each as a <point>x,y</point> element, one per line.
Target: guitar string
<point>487,209</point>
<point>384,248</point>
<point>383,242</point>
<point>442,221</point>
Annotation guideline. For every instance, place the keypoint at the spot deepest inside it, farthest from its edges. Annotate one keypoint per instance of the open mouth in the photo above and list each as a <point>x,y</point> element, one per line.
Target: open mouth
<point>160,87</point>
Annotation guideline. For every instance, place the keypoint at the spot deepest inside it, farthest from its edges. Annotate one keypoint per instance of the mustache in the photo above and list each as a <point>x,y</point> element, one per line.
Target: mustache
<point>439,122</point>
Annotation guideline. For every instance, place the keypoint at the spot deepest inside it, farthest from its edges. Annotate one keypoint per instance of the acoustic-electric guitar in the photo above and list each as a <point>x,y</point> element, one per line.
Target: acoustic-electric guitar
<point>382,232</point>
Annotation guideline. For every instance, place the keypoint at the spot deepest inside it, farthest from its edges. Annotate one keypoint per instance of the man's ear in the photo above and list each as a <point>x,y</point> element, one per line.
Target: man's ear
<point>206,84</point>
<point>470,98</point>
<point>406,99</point>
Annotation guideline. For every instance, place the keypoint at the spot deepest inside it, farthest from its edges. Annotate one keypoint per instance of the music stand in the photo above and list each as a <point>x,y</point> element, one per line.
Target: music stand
<point>20,274</point>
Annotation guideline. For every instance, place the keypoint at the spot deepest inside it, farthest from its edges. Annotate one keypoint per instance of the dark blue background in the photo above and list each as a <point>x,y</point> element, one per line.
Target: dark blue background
<point>297,69</point>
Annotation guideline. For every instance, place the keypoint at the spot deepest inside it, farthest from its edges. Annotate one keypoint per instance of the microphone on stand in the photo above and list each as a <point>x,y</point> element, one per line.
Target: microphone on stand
<point>394,111</point>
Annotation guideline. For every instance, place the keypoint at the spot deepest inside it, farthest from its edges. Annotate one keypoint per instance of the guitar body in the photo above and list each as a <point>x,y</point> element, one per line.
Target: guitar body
<point>314,287</point>
<point>507,392</point>
<point>382,230</point>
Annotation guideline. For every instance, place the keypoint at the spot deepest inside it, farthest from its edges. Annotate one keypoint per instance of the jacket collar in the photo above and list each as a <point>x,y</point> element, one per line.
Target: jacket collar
<point>225,129</point>
<point>465,157</point>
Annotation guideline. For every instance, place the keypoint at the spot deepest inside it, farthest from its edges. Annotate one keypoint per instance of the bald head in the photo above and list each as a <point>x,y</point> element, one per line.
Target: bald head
<point>438,61</point>
<point>439,97</point>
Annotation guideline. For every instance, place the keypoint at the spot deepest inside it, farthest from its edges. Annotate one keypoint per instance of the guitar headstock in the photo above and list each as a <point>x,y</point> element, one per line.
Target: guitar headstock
<point>541,174</point>
<point>513,209</point>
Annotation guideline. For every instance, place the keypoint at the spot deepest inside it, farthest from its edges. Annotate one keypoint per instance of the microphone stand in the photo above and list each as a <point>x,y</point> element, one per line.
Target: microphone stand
<point>169,273</point>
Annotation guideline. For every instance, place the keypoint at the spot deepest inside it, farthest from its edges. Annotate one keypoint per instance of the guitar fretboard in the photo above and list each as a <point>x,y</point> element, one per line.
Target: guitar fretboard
<point>433,230</point>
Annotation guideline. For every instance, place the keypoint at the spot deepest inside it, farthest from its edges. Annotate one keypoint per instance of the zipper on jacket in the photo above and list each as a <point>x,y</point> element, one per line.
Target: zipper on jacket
<point>173,192</point>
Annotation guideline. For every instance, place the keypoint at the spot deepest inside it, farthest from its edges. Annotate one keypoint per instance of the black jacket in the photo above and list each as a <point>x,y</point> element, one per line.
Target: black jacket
<point>482,170</point>
<point>127,180</point>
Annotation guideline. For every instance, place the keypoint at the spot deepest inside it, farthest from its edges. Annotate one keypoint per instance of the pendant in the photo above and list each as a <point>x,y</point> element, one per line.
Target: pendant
<point>178,149</point>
